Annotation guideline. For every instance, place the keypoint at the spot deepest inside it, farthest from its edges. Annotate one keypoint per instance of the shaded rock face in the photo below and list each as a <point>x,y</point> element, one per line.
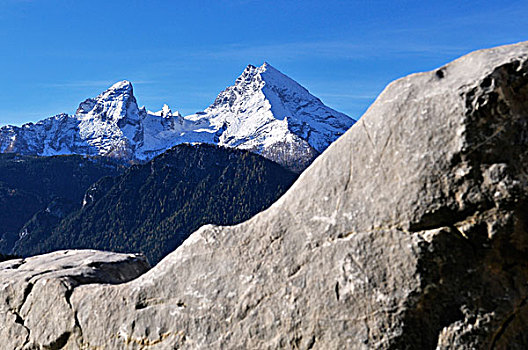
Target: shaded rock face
<point>409,232</point>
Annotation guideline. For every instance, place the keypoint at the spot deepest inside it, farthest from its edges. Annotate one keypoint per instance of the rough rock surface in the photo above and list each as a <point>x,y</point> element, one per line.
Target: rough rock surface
<point>409,232</point>
<point>35,308</point>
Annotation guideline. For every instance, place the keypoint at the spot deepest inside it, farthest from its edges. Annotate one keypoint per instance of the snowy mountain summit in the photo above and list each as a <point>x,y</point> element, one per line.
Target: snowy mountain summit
<point>267,112</point>
<point>264,111</point>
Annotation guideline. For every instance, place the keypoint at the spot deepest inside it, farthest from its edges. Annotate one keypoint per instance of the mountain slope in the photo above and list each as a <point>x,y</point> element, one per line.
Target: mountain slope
<point>51,185</point>
<point>153,207</point>
<point>264,111</point>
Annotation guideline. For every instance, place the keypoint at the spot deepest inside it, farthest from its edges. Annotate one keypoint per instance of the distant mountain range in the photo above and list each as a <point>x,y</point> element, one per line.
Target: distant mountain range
<point>265,112</point>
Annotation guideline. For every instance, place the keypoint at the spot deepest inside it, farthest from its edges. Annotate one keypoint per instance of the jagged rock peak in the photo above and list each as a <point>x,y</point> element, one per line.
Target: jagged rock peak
<point>266,74</point>
<point>268,112</point>
<point>114,102</point>
<point>120,90</point>
<point>167,114</point>
<point>249,73</point>
<point>123,87</point>
<point>166,111</point>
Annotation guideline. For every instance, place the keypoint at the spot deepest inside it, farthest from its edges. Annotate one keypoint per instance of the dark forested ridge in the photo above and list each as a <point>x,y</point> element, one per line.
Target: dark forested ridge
<point>151,208</point>
<point>30,184</point>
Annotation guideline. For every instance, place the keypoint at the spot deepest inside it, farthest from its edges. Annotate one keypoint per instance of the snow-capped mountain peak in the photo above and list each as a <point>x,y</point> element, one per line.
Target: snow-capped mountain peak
<point>112,121</point>
<point>264,111</point>
<point>267,112</point>
<point>166,112</point>
<point>115,103</point>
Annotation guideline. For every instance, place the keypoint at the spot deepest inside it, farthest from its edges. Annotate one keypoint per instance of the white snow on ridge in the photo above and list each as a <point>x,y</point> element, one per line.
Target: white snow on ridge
<point>264,111</point>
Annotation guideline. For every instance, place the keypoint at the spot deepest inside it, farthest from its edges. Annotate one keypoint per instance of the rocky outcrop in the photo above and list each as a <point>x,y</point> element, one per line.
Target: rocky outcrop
<point>409,232</point>
<point>35,307</point>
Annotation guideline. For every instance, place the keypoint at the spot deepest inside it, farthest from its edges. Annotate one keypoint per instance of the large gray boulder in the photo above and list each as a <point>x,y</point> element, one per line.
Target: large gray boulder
<point>409,232</point>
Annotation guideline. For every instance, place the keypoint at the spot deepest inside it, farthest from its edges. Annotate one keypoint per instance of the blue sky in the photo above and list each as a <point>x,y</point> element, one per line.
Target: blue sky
<point>54,54</point>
